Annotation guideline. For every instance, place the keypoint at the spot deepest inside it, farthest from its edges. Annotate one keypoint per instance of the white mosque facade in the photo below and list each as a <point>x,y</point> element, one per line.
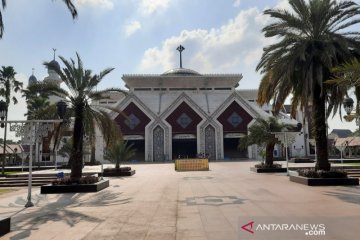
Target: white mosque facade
<point>182,113</point>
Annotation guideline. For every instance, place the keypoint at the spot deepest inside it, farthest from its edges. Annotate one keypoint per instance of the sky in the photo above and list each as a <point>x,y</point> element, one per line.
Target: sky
<point>139,37</point>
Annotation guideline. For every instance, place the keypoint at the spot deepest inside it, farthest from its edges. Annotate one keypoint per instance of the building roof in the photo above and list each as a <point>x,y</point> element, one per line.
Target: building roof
<point>181,79</point>
<point>11,148</point>
<point>341,133</point>
<point>348,141</point>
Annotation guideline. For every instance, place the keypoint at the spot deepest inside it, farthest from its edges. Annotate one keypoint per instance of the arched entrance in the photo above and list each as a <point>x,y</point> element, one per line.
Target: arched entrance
<point>184,121</point>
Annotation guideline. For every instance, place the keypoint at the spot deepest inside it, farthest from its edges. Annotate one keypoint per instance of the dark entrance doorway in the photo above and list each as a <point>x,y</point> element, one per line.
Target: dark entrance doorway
<point>231,150</point>
<point>139,146</point>
<point>184,148</point>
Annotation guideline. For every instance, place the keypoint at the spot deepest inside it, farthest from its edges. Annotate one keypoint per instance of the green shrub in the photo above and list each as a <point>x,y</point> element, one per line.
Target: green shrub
<point>264,165</point>
<point>311,173</point>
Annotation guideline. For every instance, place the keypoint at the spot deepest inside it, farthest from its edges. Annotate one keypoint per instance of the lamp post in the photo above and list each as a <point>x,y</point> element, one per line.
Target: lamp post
<point>3,117</point>
<point>348,104</point>
<point>31,131</point>
<point>286,139</point>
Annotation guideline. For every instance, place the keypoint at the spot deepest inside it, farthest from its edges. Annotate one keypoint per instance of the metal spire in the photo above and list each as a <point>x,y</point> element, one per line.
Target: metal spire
<point>180,49</point>
<point>33,70</point>
<point>54,49</point>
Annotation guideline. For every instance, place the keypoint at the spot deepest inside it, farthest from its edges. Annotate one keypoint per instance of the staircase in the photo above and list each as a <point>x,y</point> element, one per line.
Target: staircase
<point>22,180</point>
<point>38,179</point>
<point>353,172</point>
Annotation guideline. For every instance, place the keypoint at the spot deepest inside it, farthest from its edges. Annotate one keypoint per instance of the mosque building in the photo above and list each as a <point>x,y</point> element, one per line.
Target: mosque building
<point>182,113</point>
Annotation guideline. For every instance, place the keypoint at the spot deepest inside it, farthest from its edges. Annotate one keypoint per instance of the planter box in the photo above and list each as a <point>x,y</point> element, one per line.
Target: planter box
<point>325,181</point>
<point>301,160</point>
<point>78,188</point>
<point>268,170</point>
<point>4,226</point>
<point>118,174</point>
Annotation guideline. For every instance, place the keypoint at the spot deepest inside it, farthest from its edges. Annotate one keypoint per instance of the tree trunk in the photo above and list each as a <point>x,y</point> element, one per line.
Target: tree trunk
<point>77,149</point>
<point>269,158</point>
<point>92,154</point>
<point>319,128</point>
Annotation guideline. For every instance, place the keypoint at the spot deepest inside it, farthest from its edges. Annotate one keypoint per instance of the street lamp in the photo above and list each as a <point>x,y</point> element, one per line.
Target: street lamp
<point>31,131</point>
<point>61,109</point>
<point>348,104</point>
<point>285,138</point>
<point>3,116</point>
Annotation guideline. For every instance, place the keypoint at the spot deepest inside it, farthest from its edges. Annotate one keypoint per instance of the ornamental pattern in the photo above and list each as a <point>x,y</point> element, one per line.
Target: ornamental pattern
<point>132,121</point>
<point>184,120</point>
<point>31,132</point>
<point>234,119</point>
<point>210,145</point>
<point>158,144</point>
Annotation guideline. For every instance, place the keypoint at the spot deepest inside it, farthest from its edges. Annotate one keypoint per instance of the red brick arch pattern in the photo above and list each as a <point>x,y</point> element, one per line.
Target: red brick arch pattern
<point>136,111</point>
<point>174,116</point>
<point>234,107</point>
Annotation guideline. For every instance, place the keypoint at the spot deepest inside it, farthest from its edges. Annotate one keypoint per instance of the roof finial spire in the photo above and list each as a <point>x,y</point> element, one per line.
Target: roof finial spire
<point>54,49</point>
<point>180,49</point>
<point>33,70</point>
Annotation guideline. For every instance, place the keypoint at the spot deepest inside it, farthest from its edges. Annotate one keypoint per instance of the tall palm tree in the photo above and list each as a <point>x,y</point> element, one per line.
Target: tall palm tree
<point>260,134</point>
<point>68,3</point>
<point>8,84</point>
<point>348,75</point>
<point>82,91</point>
<point>312,39</point>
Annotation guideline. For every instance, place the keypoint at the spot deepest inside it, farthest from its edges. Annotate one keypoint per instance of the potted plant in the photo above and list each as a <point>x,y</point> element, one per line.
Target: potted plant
<point>260,134</point>
<point>118,152</point>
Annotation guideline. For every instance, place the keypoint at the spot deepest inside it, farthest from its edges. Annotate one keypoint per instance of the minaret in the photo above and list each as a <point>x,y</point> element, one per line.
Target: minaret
<point>32,78</point>
<point>53,78</point>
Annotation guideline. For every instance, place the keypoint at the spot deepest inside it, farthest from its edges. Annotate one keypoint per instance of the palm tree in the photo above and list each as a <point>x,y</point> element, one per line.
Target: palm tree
<point>8,84</point>
<point>68,3</point>
<point>312,39</point>
<point>348,75</point>
<point>260,134</point>
<point>82,90</point>
<point>119,151</point>
<point>40,108</point>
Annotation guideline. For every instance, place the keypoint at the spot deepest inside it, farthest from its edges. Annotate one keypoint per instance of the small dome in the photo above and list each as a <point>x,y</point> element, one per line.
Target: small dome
<point>181,71</point>
<point>32,79</point>
<point>54,63</point>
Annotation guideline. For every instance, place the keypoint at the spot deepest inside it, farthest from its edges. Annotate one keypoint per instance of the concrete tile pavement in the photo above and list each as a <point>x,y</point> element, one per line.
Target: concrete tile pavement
<point>159,203</point>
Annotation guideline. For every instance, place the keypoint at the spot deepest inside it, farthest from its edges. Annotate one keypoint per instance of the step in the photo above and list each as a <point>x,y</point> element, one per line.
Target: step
<point>26,178</point>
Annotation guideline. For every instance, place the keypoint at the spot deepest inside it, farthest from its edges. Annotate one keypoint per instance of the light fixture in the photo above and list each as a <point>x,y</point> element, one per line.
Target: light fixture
<point>348,104</point>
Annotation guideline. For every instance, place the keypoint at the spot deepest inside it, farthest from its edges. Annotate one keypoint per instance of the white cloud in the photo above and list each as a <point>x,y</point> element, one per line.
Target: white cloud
<point>132,27</point>
<point>234,47</point>
<point>148,7</point>
<point>237,3</point>
<point>105,4</point>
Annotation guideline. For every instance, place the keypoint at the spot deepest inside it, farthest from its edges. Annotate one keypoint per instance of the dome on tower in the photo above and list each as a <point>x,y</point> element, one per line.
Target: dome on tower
<point>54,63</point>
<point>180,71</point>
<point>32,79</point>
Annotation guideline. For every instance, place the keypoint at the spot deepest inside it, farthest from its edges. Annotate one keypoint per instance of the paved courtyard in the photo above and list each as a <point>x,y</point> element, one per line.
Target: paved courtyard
<point>159,203</point>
